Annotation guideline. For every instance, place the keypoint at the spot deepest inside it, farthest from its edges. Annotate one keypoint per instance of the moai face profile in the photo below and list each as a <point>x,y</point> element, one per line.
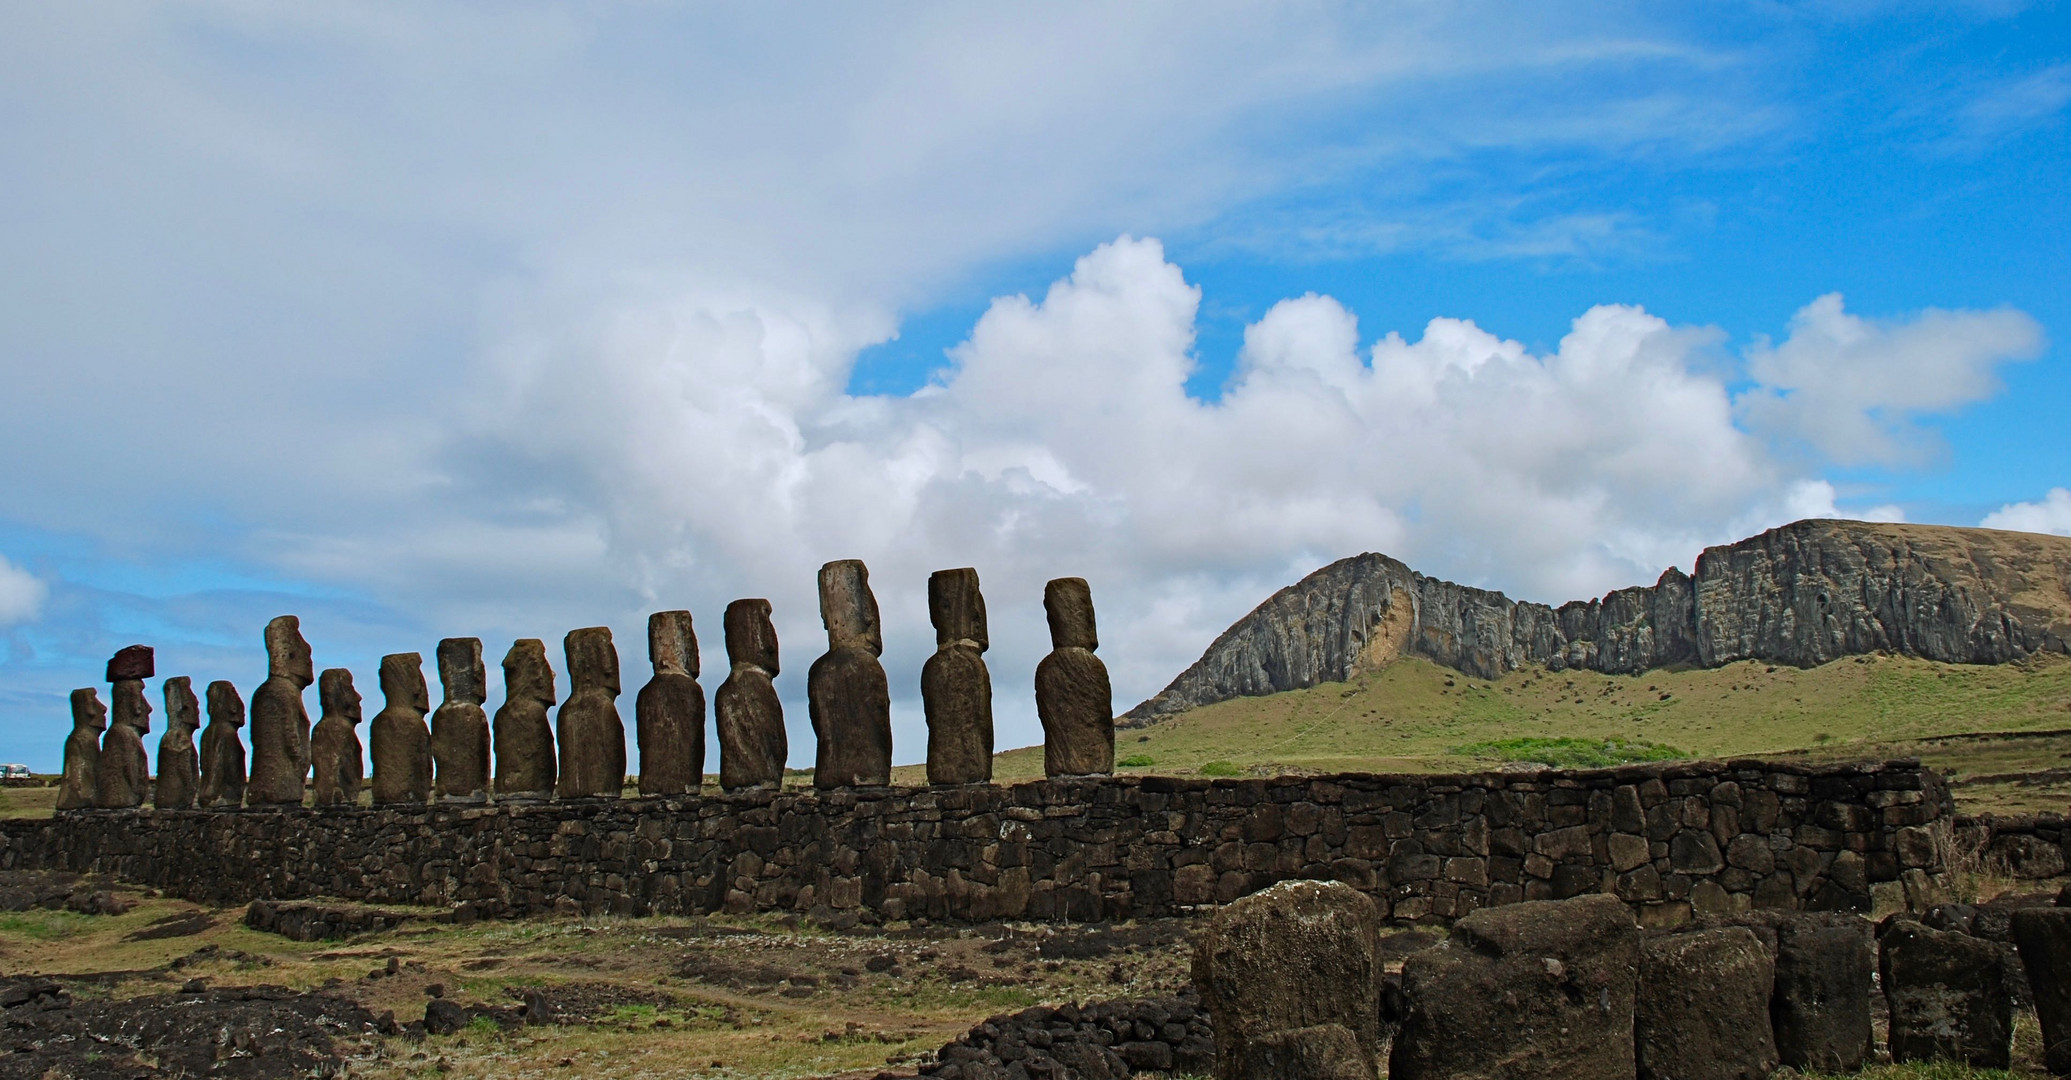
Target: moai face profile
<point>287,655</point>
<point>527,674</point>
<point>340,698</point>
<point>87,711</point>
<point>226,706</point>
<point>848,608</point>
<point>957,608</point>
<point>461,673</point>
<point>132,708</point>
<point>132,662</point>
<point>672,646</point>
<point>1069,604</point>
<point>402,682</point>
<point>592,660</point>
<point>182,710</point>
<point>751,638</point>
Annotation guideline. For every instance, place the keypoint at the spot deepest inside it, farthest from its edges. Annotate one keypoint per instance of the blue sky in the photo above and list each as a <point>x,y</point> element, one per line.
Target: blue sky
<point>440,319</point>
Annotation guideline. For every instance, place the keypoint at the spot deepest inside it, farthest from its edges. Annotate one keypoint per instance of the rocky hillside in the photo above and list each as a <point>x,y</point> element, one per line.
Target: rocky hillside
<point>1803,594</point>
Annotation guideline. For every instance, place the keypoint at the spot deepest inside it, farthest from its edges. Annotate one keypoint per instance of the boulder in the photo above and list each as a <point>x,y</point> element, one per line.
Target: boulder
<point>1323,1052</point>
<point>1295,955</point>
<point>1535,989</point>
<point>1947,996</point>
<point>1702,1011</point>
<point>1820,1006</point>
<point>2043,936</point>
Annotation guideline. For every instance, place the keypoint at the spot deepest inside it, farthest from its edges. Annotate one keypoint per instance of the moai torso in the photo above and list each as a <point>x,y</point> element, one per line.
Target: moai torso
<point>179,769</point>
<point>746,710</point>
<point>122,779</point>
<point>1073,697</point>
<point>222,750</point>
<point>955,687</point>
<point>401,744</point>
<point>280,723</point>
<point>592,737</point>
<point>846,692</point>
<point>336,764</point>
<point>669,714</point>
<point>524,744</point>
<point>460,729</point>
<point>81,785</point>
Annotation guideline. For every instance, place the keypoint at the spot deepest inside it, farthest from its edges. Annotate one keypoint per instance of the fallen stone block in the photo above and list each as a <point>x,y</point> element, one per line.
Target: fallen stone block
<point>1947,996</point>
<point>1702,1011</point>
<point>1295,955</point>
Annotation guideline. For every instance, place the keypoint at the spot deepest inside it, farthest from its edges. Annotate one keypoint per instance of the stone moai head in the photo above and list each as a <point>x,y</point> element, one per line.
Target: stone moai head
<point>461,672</point>
<point>338,695</point>
<point>1069,603</point>
<point>526,674</point>
<point>402,681</point>
<point>225,706</point>
<point>130,705</point>
<point>133,662</point>
<point>957,608</point>
<point>750,637</point>
<point>848,609</point>
<point>182,710</point>
<point>672,646</point>
<point>592,659</point>
<point>287,655</point>
<point>87,710</point>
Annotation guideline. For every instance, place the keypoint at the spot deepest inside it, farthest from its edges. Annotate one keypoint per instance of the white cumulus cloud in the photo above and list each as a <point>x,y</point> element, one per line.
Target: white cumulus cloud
<point>2051,515</point>
<point>21,594</point>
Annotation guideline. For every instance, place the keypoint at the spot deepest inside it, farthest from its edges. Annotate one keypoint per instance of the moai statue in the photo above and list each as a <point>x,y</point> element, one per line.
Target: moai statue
<point>122,779</point>
<point>750,718</point>
<point>592,737</point>
<point>280,725</point>
<point>460,729</point>
<point>179,770</point>
<point>83,751</point>
<point>524,732</point>
<point>955,687</point>
<point>1073,698</point>
<point>846,692</point>
<point>669,714</point>
<point>222,751</point>
<point>401,743</point>
<point>336,762</point>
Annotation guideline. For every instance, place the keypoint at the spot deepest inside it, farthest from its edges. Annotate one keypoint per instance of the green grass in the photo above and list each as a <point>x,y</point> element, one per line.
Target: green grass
<point>1221,768</point>
<point>1571,753</point>
<point>1136,761</point>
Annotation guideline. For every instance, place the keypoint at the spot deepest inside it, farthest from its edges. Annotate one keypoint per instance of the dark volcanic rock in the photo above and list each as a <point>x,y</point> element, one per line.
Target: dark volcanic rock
<point>1820,1006</point>
<point>2044,938</point>
<point>1295,955</point>
<point>1703,1007</point>
<point>1803,594</point>
<point>241,1033</point>
<point>1947,996</point>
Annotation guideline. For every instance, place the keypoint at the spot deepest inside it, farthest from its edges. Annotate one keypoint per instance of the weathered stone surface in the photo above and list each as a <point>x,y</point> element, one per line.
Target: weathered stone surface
<point>80,783</point>
<point>179,769</point>
<point>1323,1052</point>
<point>746,710</point>
<point>132,662</point>
<point>399,742</point>
<point>1947,996</point>
<point>525,761</point>
<point>1536,989</point>
<point>1820,1006</point>
<point>1702,1011</point>
<point>2043,936</point>
<point>460,729</point>
<point>222,750</point>
<point>591,736</point>
<point>336,758</point>
<point>1802,594</point>
<point>955,687</point>
<point>1298,954</point>
<point>122,777</point>
<point>669,714</point>
<point>1074,699</point>
<point>846,692</point>
<point>280,723</point>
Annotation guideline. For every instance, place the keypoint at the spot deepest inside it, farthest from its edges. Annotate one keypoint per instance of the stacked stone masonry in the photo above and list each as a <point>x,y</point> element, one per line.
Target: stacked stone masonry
<point>1672,840</point>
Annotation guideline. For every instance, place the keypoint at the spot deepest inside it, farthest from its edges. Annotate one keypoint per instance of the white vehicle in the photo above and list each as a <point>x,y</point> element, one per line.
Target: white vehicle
<point>15,772</point>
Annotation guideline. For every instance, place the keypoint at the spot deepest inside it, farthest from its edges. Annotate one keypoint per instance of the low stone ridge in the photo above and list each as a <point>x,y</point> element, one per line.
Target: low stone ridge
<point>1426,849</point>
<point>1802,594</point>
<point>243,1033</point>
<point>1105,1040</point>
<point>320,922</point>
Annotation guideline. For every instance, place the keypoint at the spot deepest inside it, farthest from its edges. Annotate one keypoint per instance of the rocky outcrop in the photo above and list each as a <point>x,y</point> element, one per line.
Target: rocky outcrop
<point>1802,594</point>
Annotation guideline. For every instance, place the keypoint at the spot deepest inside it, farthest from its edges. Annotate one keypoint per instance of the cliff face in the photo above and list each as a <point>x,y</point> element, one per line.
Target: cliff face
<point>1802,594</point>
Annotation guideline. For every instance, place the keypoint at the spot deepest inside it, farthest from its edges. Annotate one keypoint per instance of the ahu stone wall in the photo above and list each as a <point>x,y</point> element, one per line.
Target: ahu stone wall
<point>1671,839</point>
